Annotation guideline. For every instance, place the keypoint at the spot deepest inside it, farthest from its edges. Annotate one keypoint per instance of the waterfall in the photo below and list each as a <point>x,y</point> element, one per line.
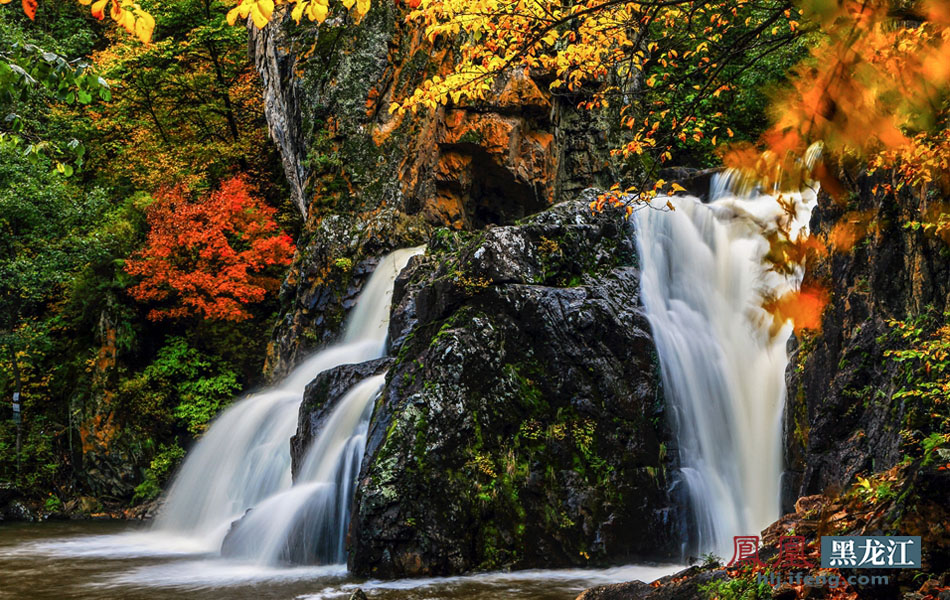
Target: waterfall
<point>243,461</point>
<point>307,523</point>
<point>703,280</point>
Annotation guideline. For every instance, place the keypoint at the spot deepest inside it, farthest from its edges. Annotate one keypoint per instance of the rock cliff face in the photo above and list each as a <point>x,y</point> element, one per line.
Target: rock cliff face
<point>522,423</point>
<point>841,415</point>
<point>366,181</point>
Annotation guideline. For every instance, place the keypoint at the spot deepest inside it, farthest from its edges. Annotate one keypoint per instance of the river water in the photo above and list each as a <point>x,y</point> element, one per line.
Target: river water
<point>98,560</point>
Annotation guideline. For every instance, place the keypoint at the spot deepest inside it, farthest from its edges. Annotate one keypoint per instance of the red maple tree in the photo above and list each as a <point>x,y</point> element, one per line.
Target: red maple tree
<point>209,258</point>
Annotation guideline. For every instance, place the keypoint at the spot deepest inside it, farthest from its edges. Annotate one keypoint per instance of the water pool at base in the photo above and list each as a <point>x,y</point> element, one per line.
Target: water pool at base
<point>98,560</point>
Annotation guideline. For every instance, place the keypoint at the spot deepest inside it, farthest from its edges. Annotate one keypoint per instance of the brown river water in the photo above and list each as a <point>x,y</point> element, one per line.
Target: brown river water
<point>104,560</point>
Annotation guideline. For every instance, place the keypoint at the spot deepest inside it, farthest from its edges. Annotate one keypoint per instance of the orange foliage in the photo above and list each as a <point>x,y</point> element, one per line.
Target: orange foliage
<point>209,258</point>
<point>873,88</point>
<point>849,229</point>
<point>29,8</point>
<point>803,308</point>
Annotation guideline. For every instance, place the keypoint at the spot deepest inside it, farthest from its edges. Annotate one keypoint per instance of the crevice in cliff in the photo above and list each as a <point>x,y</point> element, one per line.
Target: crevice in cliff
<point>487,193</point>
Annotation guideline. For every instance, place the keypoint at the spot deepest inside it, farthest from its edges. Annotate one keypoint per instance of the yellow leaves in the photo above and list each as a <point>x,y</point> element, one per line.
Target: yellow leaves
<point>261,11</point>
<point>144,25</point>
<point>129,15</point>
<point>98,9</point>
<point>316,10</point>
<point>362,8</point>
<point>233,15</point>
<point>888,69</point>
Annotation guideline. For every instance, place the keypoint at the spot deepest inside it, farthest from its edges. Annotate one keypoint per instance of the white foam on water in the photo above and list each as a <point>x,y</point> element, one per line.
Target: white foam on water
<point>703,281</point>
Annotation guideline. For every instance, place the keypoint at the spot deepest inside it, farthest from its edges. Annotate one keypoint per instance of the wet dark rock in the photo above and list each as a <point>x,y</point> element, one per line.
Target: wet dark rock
<point>841,417</point>
<point>697,182</point>
<point>617,591</point>
<point>143,512</point>
<point>109,473</point>
<point>684,585</point>
<point>521,425</point>
<point>17,510</point>
<point>784,592</point>
<point>321,397</point>
<point>230,543</point>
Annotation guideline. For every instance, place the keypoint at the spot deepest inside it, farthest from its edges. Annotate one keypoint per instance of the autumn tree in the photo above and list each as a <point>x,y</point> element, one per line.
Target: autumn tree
<point>186,108</point>
<point>875,83</point>
<point>209,258</point>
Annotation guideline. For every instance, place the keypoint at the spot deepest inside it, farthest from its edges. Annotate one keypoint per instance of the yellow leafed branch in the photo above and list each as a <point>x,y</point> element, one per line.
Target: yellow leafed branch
<point>261,11</point>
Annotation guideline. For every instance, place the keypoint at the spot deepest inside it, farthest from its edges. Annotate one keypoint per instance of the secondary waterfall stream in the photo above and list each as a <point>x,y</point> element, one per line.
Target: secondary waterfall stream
<point>703,281</point>
<point>243,461</point>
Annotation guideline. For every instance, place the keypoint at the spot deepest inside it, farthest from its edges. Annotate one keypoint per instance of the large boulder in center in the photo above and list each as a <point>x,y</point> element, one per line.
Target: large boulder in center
<point>522,422</point>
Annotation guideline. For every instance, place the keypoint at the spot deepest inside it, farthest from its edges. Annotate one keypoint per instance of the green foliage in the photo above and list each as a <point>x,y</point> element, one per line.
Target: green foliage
<point>186,107</point>
<point>196,384</point>
<point>926,358</point>
<point>936,446</point>
<point>736,589</point>
<point>343,264</point>
<point>99,382</point>
<point>40,467</point>
<point>158,472</point>
<point>710,561</point>
<point>923,357</point>
<point>39,69</point>
<point>53,504</point>
<point>46,237</point>
<point>743,107</point>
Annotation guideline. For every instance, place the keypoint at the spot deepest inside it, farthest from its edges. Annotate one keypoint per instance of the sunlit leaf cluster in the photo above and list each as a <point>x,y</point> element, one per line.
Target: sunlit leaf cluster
<point>261,11</point>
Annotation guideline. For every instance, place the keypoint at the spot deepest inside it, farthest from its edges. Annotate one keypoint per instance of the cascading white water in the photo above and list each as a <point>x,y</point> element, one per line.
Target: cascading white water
<point>703,280</point>
<point>244,458</point>
<point>307,523</point>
